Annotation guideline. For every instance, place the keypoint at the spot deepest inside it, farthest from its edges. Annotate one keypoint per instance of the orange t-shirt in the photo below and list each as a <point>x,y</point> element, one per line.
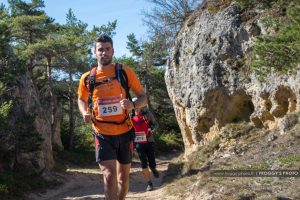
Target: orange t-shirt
<point>106,99</point>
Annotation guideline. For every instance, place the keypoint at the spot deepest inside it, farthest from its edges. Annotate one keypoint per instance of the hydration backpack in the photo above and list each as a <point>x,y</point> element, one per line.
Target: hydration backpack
<point>121,76</point>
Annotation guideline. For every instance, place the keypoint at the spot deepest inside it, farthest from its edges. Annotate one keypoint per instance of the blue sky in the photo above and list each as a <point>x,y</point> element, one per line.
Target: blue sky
<point>128,14</point>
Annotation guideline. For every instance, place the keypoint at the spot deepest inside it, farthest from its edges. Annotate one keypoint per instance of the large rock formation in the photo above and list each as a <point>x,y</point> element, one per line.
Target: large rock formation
<point>27,142</point>
<point>210,84</point>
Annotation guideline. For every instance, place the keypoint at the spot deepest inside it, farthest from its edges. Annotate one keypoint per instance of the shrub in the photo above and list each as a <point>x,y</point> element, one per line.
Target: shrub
<point>280,52</point>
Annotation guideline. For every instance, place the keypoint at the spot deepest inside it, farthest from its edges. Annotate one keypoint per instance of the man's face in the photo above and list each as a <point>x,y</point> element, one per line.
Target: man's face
<point>104,52</point>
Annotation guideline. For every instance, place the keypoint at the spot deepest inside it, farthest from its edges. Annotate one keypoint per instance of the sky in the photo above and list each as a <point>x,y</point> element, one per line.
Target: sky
<point>128,14</point>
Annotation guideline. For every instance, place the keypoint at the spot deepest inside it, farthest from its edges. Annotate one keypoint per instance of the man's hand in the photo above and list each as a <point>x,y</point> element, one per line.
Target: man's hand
<point>127,104</point>
<point>86,118</point>
<point>84,110</point>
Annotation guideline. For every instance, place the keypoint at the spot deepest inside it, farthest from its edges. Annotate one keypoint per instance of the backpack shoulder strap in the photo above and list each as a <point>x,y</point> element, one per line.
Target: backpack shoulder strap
<point>92,80</point>
<point>146,119</point>
<point>123,79</point>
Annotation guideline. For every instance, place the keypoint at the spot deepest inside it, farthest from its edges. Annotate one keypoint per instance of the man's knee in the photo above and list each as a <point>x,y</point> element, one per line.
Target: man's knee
<point>109,177</point>
<point>109,173</point>
<point>123,182</point>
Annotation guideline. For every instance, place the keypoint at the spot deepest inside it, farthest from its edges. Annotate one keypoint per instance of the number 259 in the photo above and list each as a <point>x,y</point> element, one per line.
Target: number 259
<point>110,109</point>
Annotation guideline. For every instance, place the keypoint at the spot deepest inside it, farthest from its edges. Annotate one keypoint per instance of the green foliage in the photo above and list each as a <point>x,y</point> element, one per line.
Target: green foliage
<point>152,56</point>
<point>64,133</point>
<point>281,52</point>
<point>150,53</point>
<point>290,160</point>
<point>5,34</point>
<point>83,138</point>
<point>75,157</point>
<point>7,73</point>
<point>217,5</point>
<point>252,3</point>
<point>108,29</point>
<point>28,28</point>
<point>27,138</point>
<point>284,162</point>
<point>30,25</point>
<point>5,109</point>
<point>172,140</point>
<point>19,7</point>
<point>168,132</point>
<point>133,46</point>
<point>14,185</point>
<point>128,61</point>
<point>162,105</point>
<point>155,52</point>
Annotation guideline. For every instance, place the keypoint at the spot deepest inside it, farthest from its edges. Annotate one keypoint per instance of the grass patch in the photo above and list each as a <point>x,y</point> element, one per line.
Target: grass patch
<point>232,131</point>
<point>173,172</point>
<point>260,166</point>
<point>296,132</point>
<point>75,158</point>
<point>216,6</point>
<point>290,160</point>
<point>14,185</point>
<point>246,196</point>
<point>178,187</point>
<point>169,142</point>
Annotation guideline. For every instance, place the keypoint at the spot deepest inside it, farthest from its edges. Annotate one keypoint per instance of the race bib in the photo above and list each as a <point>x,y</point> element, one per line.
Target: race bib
<point>109,106</point>
<point>140,137</point>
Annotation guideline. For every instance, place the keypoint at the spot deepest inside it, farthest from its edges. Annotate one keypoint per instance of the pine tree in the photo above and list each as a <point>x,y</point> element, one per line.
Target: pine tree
<point>150,59</point>
<point>30,25</point>
<point>280,52</point>
<point>72,57</point>
<point>165,17</point>
<point>6,75</point>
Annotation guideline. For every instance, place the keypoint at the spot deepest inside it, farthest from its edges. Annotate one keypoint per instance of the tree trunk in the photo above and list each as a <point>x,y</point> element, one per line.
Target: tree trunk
<point>71,110</point>
<point>52,106</point>
<point>146,87</point>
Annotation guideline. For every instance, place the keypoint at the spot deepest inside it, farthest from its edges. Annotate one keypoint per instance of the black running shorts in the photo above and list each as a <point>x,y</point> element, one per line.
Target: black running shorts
<point>114,147</point>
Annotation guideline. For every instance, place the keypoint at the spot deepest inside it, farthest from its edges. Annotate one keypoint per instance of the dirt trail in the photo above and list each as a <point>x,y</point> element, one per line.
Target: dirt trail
<point>87,184</point>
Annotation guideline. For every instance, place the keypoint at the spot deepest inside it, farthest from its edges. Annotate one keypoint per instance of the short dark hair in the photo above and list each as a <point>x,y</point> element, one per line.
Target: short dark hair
<point>104,38</point>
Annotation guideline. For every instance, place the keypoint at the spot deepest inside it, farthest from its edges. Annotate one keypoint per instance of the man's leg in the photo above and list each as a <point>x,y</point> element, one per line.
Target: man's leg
<point>124,157</point>
<point>151,158</point>
<point>109,171</point>
<point>146,174</point>
<point>123,171</point>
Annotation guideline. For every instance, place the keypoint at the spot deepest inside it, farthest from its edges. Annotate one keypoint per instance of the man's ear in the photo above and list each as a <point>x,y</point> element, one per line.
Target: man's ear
<point>94,51</point>
<point>113,51</point>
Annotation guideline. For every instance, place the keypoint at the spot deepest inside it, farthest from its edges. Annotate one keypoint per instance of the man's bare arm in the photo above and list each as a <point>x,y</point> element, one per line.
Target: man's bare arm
<point>141,100</point>
<point>84,110</point>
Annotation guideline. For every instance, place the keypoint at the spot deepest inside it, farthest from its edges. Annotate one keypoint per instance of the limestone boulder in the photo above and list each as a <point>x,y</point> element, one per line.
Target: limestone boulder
<point>211,84</point>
